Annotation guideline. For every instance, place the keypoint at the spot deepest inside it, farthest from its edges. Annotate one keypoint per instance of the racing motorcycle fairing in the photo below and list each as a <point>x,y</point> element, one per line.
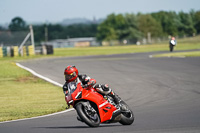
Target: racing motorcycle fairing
<point>106,111</point>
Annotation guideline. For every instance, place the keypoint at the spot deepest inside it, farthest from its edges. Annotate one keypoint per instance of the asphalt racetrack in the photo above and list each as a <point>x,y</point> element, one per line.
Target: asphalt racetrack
<point>164,93</point>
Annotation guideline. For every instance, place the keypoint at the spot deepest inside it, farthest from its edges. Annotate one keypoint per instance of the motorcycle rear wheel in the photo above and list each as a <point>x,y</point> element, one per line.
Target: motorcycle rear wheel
<point>91,120</point>
<point>127,117</point>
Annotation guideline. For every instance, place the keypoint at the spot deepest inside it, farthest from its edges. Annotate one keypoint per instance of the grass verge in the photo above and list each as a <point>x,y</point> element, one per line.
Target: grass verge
<point>84,51</point>
<point>23,95</point>
<point>179,54</point>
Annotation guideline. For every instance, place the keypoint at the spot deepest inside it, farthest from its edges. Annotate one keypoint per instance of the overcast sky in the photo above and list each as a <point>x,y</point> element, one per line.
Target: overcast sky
<point>57,10</point>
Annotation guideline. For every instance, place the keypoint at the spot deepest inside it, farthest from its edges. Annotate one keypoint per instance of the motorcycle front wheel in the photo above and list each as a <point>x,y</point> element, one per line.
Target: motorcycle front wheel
<point>127,116</point>
<point>90,117</point>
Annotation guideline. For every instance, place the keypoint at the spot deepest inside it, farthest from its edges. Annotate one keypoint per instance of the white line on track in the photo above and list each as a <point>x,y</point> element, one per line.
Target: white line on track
<point>150,56</point>
<point>47,79</point>
<point>39,116</point>
<point>38,75</point>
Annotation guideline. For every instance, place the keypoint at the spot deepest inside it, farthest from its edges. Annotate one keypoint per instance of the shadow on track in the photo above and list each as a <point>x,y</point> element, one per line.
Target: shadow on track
<point>76,127</point>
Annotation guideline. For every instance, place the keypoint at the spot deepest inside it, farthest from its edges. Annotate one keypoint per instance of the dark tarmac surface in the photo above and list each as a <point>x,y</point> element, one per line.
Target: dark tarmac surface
<point>164,93</point>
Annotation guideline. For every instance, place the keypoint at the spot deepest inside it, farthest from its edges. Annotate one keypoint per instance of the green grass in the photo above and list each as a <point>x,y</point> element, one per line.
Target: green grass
<point>22,95</point>
<point>179,54</point>
<point>84,51</point>
<point>119,49</point>
<point>183,44</point>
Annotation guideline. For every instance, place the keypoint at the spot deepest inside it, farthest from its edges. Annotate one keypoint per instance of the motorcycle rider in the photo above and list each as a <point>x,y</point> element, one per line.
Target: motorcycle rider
<point>72,75</point>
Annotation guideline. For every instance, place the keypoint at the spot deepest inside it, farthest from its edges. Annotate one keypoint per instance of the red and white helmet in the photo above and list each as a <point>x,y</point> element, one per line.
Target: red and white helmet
<point>71,73</point>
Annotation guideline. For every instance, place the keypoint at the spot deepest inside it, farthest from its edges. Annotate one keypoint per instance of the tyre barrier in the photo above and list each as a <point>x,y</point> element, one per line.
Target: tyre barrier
<point>13,51</point>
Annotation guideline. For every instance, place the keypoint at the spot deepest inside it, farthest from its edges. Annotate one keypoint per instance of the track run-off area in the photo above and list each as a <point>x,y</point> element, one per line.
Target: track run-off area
<point>164,93</point>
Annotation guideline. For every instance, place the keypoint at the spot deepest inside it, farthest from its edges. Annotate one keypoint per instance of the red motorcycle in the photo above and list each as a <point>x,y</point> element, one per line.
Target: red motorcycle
<point>93,108</point>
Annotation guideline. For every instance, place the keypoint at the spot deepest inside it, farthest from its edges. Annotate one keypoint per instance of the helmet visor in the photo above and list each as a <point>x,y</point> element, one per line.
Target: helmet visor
<point>68,77</point>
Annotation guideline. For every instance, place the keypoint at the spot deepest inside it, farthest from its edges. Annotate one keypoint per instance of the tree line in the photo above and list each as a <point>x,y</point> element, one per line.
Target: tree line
<point>119,26</point>
<point>159,24</point>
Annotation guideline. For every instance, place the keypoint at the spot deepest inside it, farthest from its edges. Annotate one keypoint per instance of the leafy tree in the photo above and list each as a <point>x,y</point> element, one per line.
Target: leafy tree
<point>192,14</point>
<point>187,26</point>
<point>80,30</point>
<point>57,31</point>
<point>118,27</point>
<point>197,21</point>
<point>131,30</point>
<point>169,22</point>
<point>54,31</point>
<point>39,32</point>
<point>107,30</point>
<point>148,24</point>
<point>17,24</point>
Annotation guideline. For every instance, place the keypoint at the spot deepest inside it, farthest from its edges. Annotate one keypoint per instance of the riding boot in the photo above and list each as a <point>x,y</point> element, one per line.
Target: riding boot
<point>116,98</point>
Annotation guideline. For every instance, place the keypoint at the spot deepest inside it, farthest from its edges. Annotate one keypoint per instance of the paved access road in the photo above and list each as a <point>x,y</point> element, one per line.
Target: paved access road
<point>164,93</point>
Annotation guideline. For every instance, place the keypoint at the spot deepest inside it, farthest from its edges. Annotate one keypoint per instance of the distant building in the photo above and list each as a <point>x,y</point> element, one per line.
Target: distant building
<point>72,42</point>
